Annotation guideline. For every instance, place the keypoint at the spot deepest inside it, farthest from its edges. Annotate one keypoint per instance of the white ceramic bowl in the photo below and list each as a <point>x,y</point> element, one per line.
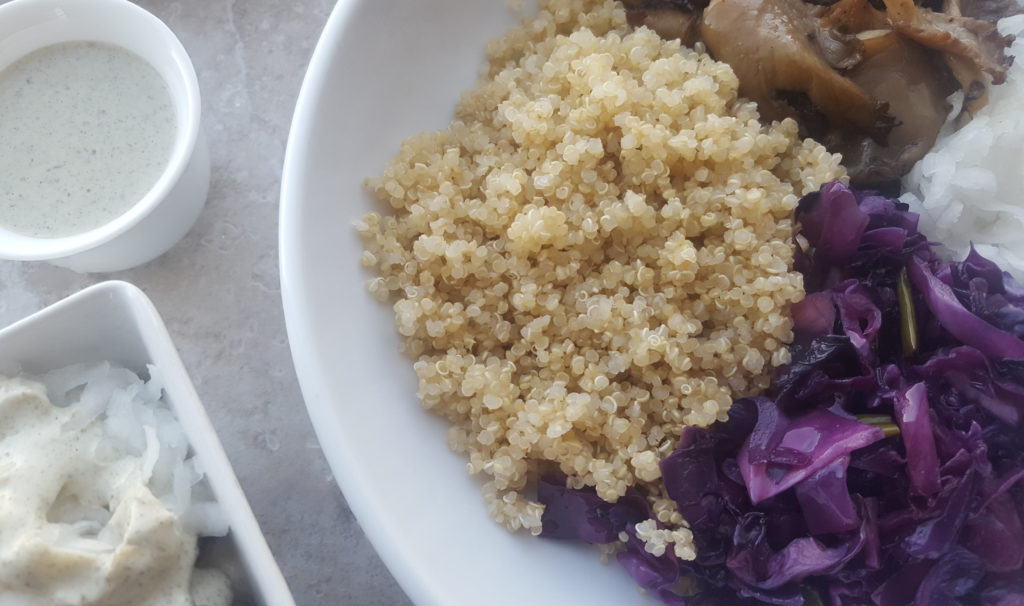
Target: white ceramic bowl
<point>382,71</point>
<point>115,321</point>
<point>172,205</point>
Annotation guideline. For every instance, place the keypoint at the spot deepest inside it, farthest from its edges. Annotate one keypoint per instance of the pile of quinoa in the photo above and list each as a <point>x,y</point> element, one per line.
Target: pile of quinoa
<point>595,254</point>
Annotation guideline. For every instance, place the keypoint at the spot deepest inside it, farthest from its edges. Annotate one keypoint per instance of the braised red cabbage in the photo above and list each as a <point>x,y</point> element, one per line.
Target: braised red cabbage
<point>874,472</point>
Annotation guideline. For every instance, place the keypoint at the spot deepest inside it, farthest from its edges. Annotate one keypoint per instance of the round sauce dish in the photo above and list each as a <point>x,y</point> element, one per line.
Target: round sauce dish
<point>88,129</point>
<point>105,164</point>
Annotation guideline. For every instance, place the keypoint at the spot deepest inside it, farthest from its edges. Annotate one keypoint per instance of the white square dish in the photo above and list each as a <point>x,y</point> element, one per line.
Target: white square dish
<point>115,321</point>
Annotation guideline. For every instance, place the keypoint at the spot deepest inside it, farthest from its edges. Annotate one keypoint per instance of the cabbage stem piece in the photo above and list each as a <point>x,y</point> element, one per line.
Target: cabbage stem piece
<point>908,318</point>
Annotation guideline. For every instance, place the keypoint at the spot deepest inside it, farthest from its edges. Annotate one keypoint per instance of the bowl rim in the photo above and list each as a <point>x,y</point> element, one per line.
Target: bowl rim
<point>12,245</point>
<point>412,577</point>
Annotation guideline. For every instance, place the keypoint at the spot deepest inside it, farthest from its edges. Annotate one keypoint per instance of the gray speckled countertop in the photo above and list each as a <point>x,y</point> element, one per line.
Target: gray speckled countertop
<point>219,294</point>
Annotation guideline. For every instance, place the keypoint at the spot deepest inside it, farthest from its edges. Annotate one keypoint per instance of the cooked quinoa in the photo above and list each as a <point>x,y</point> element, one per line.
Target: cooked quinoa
<point>595,254</point>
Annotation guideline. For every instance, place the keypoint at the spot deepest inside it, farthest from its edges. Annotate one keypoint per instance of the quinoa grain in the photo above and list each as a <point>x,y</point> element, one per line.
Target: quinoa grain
<point>594,255</point>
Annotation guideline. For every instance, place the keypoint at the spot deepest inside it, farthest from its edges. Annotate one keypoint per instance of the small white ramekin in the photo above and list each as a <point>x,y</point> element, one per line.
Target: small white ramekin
<point>169,209</point>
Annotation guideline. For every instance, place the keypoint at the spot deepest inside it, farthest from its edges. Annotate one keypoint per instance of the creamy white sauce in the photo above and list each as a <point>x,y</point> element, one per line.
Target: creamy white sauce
<point>86,129</point>
<point>78,523</point>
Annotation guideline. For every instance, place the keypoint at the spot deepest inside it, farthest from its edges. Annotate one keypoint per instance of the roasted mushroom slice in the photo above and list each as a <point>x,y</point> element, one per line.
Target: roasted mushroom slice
<point>856,17</point>
<point>911,80</point>
<point>971,47</point>
<point>781,45</point>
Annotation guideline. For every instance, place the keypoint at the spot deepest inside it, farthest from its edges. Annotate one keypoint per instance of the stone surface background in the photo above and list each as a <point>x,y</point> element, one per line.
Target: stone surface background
<point>219,294</point>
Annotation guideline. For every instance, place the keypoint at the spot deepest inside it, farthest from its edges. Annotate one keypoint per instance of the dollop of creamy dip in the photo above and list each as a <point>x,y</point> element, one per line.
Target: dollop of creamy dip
<point>86,130</point>
<point>79,523</point>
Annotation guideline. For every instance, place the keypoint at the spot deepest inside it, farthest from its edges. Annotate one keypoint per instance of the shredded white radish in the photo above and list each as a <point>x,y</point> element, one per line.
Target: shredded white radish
<point>970,187</point>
